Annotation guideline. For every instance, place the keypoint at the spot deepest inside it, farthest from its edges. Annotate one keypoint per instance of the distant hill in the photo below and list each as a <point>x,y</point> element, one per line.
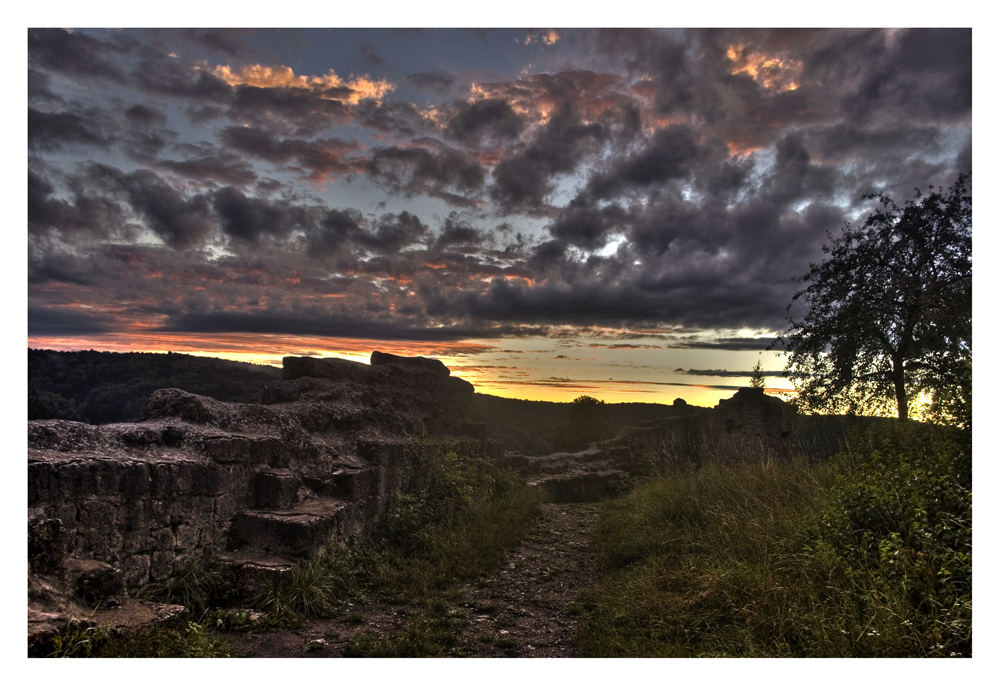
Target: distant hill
<point>103,387</point>
<point>535,427</point>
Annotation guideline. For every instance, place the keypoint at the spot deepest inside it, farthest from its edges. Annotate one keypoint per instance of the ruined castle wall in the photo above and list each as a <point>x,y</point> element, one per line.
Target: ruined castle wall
<point>145,508</point>
<point>140,515</point>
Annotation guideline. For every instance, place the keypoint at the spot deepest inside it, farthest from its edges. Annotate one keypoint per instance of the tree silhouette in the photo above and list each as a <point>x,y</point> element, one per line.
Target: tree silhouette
<point>757,377</point>
<point>889,312</point>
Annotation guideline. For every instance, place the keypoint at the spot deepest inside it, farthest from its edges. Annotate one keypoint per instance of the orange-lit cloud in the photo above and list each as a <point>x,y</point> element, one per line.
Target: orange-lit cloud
<point>550,37</point>
<point>773,72</point>
<point>264,76</point>
<point>538,96</point>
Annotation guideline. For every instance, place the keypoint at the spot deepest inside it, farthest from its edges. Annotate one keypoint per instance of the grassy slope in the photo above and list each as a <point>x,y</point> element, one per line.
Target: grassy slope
<point>869,555</point>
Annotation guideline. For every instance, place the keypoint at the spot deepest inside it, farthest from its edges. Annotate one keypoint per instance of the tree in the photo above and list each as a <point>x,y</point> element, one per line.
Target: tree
<point>757,377</point>
<point>889,312</point>
<point>588,422</point>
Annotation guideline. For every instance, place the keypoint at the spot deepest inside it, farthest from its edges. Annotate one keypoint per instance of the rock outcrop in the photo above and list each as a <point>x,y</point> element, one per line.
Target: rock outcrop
<point>115,507</point>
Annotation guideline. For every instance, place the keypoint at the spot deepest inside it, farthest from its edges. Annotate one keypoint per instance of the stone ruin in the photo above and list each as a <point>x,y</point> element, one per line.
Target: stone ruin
<point>260,487</point>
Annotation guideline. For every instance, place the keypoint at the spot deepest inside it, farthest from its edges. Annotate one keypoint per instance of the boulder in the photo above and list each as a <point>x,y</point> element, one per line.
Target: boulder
<point>332,368</point>
<point>426,363</point>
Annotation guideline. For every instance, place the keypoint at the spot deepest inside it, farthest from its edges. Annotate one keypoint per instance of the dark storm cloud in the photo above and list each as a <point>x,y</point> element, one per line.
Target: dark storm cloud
<point>318,158</point>
<point>44,321</point>
<point>54,130</point>
<point>212,168</point>
<point>393,232</point>
<point>327,324</point>
<point>39,89</point>
<point>707,168</point>
<point>457,232</point>
<point>180,221</point>
<point>291,111</point>
<point>587,227</point>
<point>334,231</point>
<point>491,120</point>
<point>252,219</point>
<point>86,216</point>
<point>523,181</point>
<point>168,77</point>
<point>74,53</point>
<point>922,74</point>
<point>141,115</point>
<point>727,372</point>
<point>436,170</point>
<point>765,343</point>
<point>138,131</point>
<point>668,156</point>
<point>438,81</point>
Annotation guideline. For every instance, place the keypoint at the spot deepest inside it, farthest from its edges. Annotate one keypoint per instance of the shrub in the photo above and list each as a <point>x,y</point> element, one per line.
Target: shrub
<point>869,555</point>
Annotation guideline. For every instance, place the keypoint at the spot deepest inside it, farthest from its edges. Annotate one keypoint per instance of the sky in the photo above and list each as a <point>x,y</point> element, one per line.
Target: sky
<point>623,213</point>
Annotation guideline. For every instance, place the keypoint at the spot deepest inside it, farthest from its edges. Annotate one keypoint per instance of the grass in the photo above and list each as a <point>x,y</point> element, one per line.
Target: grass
<point>868,555</point>
<point>454,520</point>
<point>456,523</point>
<point>178,639</point>
<point>433,633</point>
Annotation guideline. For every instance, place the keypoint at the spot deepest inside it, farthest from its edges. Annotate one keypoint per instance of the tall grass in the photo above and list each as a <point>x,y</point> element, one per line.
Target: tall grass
<point>867,555</point>
<point>454,522</point>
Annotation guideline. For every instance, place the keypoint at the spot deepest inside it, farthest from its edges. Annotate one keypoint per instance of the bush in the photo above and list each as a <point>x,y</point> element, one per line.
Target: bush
<point>868,555</point>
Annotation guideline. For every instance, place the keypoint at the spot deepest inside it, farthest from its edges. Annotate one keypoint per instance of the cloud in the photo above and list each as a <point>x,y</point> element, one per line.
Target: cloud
<point>225,169</point>
<point>370,55</point>
<point>59,321</point>
<point>427,168</point>
<point>669,155</point>
<point>74,53</point>
<point>523,180</point>
<point>328,86</point>
<point>548,37</point>
<point>490,120</point>
<point>252,219</point>
<point>180,221</point>
<point>736,343</point>
<point>319,159</point>
<point>437,80</point>
<point>671,183</point>
<point>730,373</point>
<point>55,130</point>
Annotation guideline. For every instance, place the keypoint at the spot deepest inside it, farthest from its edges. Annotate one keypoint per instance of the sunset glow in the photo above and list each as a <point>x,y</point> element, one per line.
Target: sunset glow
<point>551,212</point>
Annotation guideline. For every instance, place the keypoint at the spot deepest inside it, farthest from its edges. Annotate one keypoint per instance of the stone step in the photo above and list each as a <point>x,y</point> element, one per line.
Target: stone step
<point>298,531</point>
<point>252,569</point>
<point>349,483</point>
<point>275,488</point>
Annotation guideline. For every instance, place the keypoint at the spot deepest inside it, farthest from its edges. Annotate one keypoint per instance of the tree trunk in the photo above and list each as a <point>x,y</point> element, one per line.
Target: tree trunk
<point>897,381</point>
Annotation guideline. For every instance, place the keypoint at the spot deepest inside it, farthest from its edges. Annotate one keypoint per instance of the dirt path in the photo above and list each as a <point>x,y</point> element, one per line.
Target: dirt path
<point>524,609</point>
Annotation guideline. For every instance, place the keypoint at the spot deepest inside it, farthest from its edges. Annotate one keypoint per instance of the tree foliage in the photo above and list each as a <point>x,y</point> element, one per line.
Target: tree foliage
<point>757,377</point>
<point>889,311</point>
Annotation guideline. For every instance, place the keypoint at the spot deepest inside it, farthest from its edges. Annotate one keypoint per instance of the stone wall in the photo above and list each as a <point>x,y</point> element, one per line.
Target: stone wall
<point>317,463</point>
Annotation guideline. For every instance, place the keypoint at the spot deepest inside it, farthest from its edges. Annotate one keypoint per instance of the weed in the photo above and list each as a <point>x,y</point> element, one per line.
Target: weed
<point>868,555</point>
<point>433,634</point>
<point>186,639</point>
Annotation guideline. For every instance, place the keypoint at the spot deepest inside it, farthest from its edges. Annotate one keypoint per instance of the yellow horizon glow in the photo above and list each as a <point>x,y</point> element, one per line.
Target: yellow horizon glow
<point>504,368</point>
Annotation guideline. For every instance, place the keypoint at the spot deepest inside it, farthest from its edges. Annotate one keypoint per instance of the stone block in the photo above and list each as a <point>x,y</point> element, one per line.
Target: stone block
<point>161,565</point>
<point>135,570</point>
<point>95,583</point>
<point>274,489</point>
<point>46,544</point>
